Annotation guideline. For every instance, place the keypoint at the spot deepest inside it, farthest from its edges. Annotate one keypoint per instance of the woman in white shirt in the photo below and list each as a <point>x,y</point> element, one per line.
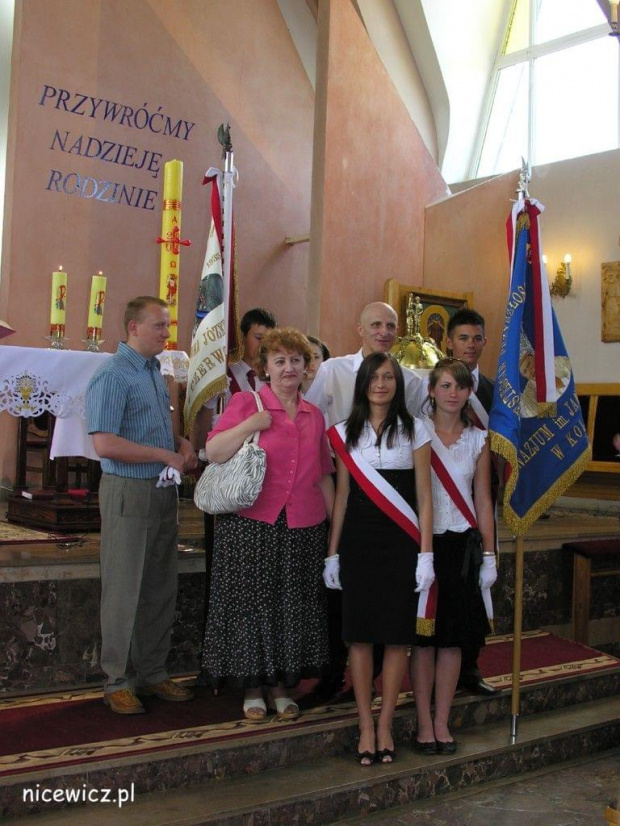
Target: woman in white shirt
<point>383,463</point>
<point>463,544</point>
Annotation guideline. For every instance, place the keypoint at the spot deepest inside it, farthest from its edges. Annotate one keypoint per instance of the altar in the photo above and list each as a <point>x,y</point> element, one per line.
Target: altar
<point>36,381</point>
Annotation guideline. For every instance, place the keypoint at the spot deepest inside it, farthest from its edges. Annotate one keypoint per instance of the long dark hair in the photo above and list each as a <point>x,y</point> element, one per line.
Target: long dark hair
<point>360,412</point>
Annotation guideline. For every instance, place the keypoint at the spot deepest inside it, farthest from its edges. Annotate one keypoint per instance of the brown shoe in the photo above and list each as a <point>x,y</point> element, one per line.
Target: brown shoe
<point>123,702</point>
<point>166,690</point>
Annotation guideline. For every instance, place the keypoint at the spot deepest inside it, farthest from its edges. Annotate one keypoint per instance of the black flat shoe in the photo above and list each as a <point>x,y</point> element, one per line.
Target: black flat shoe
<point>425,748</point>
<point>476,685</point>
<point>446,747</point>
<point>366,758</point>
<point>386,756</point>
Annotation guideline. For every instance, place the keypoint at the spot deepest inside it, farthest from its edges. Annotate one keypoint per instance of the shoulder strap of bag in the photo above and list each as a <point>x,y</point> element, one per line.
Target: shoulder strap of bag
<point>259,404</point>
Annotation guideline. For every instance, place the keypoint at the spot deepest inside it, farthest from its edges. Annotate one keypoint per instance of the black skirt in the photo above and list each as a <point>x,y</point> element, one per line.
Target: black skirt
<point>461,620</point>
<point>267,620</point>
<point>377,568</point>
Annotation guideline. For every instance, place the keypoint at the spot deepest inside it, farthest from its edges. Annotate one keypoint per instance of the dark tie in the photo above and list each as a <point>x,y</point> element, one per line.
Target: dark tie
<point>251,376</point>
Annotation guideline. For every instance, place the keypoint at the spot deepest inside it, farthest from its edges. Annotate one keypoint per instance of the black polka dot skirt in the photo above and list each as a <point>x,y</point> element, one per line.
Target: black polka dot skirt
<point>267,620</point>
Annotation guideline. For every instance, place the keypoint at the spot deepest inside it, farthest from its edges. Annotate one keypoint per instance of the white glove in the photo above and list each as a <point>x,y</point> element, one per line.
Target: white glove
<point>331,572</point>
<point>424,572</point>
<point>168,476</point>
<point>488,572</point>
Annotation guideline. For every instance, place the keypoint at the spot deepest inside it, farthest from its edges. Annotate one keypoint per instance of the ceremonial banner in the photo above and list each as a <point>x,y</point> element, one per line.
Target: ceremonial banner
<point>215,337</point>
<point>535,422</point>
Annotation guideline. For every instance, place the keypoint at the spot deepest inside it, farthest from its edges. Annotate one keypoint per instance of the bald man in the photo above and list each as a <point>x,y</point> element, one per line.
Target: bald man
<point>332,392</point>
<point>332,389</point>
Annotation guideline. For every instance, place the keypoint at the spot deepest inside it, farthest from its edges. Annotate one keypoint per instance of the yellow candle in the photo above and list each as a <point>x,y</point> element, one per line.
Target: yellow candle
<point>59,301</point>
<point>97,301</point>
<point>171,244</point>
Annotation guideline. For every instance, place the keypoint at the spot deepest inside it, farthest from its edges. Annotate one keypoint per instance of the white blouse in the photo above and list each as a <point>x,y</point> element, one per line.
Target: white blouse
<point>397,457</point>
<point>464,452</point>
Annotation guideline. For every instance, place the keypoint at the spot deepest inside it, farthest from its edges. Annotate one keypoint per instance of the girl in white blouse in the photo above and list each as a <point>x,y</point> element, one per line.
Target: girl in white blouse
<point>383,461</point>
<point>464,559</point>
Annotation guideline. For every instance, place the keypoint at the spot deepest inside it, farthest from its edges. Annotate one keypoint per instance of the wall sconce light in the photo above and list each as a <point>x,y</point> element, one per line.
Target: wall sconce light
<point>563,280</point>
<point>614,18</point>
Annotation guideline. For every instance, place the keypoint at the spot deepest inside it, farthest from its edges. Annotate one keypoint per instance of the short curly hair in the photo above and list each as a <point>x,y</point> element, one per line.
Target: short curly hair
<point>282,338</point>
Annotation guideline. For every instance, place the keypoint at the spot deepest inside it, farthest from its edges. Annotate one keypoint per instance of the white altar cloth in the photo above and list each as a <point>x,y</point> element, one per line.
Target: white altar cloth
<point>34,380</point>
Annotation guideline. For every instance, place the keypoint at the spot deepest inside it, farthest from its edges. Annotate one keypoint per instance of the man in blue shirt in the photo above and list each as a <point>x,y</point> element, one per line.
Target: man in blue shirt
<point>128,414</point>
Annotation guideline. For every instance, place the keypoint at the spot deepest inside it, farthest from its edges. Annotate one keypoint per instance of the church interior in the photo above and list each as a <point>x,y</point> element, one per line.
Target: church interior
<point>378,146</point>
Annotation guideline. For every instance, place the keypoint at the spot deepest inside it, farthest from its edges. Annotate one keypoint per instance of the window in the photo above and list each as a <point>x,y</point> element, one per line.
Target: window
<point>555,89</point>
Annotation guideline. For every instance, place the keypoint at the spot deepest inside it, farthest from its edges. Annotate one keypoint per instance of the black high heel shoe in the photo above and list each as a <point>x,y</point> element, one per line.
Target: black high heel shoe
<point>386,756</point>
<point>366,758</point>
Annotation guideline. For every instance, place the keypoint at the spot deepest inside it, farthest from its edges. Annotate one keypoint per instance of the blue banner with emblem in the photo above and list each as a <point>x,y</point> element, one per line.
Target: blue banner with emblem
<point>536,423</point>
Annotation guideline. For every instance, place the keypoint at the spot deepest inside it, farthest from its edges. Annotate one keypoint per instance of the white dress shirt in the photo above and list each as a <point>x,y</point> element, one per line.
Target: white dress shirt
<point>475,373</point>
<point>397,457</point>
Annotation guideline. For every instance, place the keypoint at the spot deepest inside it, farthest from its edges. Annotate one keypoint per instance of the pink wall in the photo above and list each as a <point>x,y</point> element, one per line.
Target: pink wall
<point>373,177</point>
<point>201,61</point>
<point>465,250</point>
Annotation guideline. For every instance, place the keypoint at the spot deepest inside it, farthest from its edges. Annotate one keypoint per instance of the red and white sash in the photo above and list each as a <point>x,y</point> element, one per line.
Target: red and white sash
<point>385,497</point>
<point>449,474</point>
<point>457,488</point>
<point>388,500</point>
<point>481,417</point>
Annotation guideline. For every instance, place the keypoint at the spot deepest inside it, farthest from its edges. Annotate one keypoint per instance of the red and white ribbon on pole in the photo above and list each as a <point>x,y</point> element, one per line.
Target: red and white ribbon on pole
<point>543,345</point>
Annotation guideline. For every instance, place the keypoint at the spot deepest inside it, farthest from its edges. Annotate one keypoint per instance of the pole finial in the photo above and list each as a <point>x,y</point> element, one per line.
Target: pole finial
<point>223,136</point>
<point>525,176</point>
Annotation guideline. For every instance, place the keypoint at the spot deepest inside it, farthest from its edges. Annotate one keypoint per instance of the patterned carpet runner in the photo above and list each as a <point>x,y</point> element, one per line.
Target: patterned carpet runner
<point>62,729</point>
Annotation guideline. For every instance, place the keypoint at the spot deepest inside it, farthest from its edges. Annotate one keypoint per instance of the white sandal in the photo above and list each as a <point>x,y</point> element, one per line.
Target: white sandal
<point>285,707</point>
<point>255,710</point>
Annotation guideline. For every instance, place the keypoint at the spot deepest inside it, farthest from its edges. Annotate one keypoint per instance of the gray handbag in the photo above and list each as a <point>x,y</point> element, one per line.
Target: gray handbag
<point>235,484</point>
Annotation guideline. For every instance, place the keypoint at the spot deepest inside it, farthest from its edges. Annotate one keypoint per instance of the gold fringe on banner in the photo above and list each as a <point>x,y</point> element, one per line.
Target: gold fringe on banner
<point>217,386</point>
<point>523,222</point>
<point>520,524</point>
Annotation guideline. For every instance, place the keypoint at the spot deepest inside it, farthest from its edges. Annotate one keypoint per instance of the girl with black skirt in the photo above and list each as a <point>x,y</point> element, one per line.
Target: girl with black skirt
<point>464,559</point>
<point>375,556</point>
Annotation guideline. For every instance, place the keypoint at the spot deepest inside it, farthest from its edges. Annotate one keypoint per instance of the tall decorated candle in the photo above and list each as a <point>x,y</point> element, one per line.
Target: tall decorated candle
<point>59,303</point>
<point>95,306</point>
<point>171,244</point>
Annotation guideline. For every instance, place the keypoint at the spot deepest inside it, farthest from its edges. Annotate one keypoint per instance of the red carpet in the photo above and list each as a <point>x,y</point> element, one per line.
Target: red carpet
<point>76,727</point>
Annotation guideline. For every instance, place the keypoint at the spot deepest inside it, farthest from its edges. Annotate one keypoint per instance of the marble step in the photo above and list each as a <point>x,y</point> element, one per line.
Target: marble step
<point>325,734</point>
<point>332,789</point>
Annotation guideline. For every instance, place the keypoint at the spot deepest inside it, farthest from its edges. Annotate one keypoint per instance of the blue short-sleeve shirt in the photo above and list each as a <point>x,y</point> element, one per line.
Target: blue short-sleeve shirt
<point>127,396</point>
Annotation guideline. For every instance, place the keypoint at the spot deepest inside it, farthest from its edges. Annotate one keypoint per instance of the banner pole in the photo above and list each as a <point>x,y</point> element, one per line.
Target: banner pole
<point>516,645</point>
<point>227,197</point>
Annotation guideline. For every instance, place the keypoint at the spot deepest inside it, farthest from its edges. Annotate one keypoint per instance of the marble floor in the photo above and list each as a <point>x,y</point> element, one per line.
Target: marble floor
<point>575,795</point>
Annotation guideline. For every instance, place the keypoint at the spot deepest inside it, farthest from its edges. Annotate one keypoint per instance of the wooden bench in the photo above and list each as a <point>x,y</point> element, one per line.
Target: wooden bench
<point>583,554</point>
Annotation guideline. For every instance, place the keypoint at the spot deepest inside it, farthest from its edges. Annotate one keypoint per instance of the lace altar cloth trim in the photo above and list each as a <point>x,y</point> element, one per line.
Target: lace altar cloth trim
<point>34,380</point>
<point>174,363</point>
